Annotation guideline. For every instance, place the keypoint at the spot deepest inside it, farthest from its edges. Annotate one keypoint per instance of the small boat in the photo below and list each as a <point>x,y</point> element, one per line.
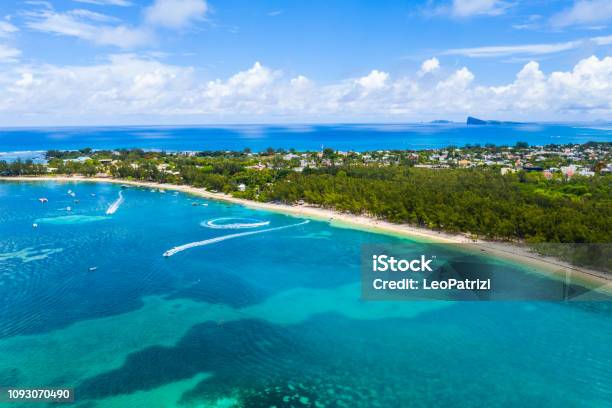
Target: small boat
<point>43,200</point>
<point>93,194</point>
<point>68,208</point>
<point>194,204</point>
<point>125,186</point>
<point>72,194</point>
<point>92,268</point>
<point>205,204</point>
<point>76,201</point>
<point>35,225</point>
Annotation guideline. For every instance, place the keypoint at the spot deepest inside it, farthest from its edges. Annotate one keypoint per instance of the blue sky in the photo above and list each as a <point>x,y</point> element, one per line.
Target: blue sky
<point>185,61</point>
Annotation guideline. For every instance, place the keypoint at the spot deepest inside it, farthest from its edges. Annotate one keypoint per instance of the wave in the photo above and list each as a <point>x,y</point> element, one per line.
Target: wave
<point>242,223</point>
<point>181,248</point>
<point>115,205</point>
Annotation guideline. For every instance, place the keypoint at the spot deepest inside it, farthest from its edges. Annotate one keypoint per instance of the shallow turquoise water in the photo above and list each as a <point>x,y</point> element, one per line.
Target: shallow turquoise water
<point>266,319</point>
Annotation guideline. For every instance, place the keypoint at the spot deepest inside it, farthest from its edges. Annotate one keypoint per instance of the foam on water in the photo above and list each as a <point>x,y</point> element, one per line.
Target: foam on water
<point>115,205</point>
<point>236,223</point>
<point>30,254</point>
<point>205,242</point>
<point>71,219</point>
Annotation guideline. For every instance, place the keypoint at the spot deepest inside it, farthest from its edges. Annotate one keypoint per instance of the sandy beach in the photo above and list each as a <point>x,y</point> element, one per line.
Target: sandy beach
<point>515,253</point>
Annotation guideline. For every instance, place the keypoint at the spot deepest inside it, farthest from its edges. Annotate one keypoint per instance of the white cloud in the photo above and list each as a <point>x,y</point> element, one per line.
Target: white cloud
<point>506,50</point>
<point>175,13</point>
<point>528,49</point>
<point>584,12</point>
<point>606,40</point>
<point>468,8</point>
<point>107,2</point>
<point>130,86</point>
<point>92,15</point>
<point>103,29</point>
<point>7,28</point>
<point>87,25</point>
<point>124,85</point>
<point>8,54</point>
<point>301,81</point>
<point>429,66</point>
<point>374,80</point>
<point>459,80</point>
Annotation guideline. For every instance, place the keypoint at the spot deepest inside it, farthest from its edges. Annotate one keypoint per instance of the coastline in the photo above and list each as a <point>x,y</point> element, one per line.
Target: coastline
<point>520,255</point>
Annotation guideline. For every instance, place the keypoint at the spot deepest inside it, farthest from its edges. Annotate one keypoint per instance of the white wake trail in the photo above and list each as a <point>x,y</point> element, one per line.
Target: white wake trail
<point>181,248</point>
<point>235,225</point>
<point>115,205</point>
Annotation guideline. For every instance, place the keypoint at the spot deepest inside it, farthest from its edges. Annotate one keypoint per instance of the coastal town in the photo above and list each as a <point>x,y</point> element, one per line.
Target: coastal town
<point>566,160</point>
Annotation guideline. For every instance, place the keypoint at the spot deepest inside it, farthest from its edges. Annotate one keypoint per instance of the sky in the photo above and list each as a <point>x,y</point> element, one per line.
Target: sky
<point>118,62</point>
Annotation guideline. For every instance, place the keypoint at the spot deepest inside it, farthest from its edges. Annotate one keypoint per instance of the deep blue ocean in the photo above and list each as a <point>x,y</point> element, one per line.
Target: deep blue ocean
<point>301,137</point>
<point>268,319</point>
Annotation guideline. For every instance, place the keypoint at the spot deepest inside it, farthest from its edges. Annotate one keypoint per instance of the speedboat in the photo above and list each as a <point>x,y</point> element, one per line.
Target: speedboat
<point>43,200</point>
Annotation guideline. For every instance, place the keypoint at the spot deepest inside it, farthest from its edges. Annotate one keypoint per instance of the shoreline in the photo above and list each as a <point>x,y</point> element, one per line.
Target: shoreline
<point>520,255</point>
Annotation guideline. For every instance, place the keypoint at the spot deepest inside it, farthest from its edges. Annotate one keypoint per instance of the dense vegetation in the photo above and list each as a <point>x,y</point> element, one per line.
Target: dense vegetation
<point>477,201</point>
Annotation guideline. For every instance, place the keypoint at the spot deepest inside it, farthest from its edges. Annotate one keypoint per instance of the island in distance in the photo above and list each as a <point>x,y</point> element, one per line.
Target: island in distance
<point>475,121</point>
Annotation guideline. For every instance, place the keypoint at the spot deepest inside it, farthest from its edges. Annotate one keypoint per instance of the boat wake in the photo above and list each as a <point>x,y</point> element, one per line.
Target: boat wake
<point>115,205</point>
<point>181,248</point>
<point>237,223</point>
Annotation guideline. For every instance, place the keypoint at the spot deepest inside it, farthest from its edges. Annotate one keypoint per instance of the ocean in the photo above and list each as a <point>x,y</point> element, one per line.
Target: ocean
<point>301,137</point>
<point>273,318</point>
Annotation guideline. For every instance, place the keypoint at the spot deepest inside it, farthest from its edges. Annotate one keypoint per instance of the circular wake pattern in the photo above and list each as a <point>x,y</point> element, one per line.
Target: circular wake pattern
<point>234,223</point>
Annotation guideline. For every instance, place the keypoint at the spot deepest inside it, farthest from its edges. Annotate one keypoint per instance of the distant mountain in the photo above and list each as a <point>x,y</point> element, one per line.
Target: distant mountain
<point>441,121</point>
<point>475,121</point>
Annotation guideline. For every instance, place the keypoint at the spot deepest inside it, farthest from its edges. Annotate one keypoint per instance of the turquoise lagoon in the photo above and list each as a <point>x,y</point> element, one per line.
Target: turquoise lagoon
<point>272,318</point>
